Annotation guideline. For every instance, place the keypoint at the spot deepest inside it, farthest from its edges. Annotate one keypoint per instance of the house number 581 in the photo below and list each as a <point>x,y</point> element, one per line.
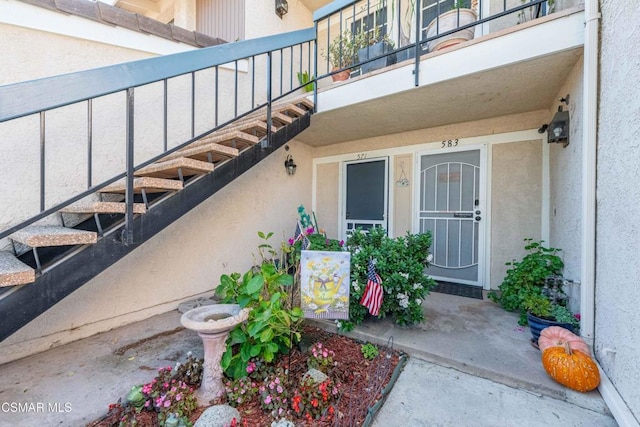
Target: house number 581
<point>450,143</point>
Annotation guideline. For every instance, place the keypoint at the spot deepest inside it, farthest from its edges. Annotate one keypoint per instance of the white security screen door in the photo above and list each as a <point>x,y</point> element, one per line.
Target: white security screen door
<point>450,207</point>
<point>365,203</point>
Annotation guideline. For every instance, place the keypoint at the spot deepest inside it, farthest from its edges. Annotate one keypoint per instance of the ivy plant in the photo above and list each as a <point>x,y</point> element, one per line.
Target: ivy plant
<point>525,279</point>
<point>273,326</point>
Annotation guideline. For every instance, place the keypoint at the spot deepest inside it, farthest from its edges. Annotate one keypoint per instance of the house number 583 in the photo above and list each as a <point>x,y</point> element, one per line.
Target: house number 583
<point>449,143</point>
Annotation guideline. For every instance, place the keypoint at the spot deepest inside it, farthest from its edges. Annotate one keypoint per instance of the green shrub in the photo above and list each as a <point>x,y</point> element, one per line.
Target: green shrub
<point>272,323</point>
<point>401,264</point>
<point>525,279</point>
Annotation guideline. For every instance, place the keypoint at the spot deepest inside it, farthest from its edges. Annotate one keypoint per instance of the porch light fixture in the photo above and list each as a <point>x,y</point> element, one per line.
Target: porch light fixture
<point>559,127</point>
<point>290,165</point>
<point>282,7</point>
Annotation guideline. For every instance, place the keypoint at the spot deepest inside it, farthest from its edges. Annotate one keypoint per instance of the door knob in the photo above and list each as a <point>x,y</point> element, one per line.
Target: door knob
<point>478,218</point>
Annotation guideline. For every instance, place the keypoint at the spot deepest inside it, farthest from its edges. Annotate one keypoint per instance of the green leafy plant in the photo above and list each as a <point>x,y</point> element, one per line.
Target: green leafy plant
<point>240,390</point>
<point>272,324</point>
<point>400,262</point>
<point>526,278</point>
<point>304,78</point>
<point>369,351</point>
<point>274,394</point>
<point>190,371</point>
<point>314,401</point>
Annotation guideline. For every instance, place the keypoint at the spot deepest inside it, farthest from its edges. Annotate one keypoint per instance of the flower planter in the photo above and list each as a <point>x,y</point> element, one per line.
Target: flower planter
<point>373,51</point>
<point>341,76</point>
<point>537,324</point>
<point>449,21</point>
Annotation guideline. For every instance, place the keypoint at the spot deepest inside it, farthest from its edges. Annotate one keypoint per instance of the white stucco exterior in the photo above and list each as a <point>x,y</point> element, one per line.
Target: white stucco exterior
<point>617,334</point>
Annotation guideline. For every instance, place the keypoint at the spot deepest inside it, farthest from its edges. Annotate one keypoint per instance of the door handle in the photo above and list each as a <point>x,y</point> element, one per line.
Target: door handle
<point>478,218</point>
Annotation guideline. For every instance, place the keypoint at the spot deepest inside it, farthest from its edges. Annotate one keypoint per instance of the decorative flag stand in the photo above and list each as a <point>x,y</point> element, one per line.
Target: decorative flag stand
<point>372,297</point>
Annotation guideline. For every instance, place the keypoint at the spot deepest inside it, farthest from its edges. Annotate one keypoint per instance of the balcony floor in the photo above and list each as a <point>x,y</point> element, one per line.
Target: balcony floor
<point>473,342</point>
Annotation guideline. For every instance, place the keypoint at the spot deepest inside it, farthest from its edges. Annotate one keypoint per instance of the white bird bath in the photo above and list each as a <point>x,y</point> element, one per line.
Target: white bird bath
<point>213,323</point>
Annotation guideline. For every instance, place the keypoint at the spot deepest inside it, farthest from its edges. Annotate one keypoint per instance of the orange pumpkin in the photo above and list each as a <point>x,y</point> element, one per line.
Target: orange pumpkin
<point>573,369</point>
<point>556,336</point>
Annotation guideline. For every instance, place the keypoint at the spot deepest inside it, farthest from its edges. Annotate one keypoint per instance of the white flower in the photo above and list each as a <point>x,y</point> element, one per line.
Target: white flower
<point>189,353</point>
<point>405,275</point>
<point>417,286</point>
<point>430,258</point>
<point>356,251</point>
<point>418,301</point>
<point>339,324</point>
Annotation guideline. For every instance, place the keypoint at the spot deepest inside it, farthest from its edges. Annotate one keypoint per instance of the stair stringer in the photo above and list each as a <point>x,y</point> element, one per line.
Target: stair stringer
<point>22,304</point>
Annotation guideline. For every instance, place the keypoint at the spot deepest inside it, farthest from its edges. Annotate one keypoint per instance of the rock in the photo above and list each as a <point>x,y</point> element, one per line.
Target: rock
<point>218,416</point>
<point>183,307</point>
<point>316,375</point>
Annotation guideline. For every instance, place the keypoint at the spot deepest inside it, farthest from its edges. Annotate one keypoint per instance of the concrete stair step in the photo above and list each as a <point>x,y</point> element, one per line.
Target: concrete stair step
<point>103,208</point>
<point>257,127</point>
<point>173,168</point>
<point>149,184</point>
<point>13,271</point>
<point>234,139</point>
<point>213,152</point>
<point>37,236</point>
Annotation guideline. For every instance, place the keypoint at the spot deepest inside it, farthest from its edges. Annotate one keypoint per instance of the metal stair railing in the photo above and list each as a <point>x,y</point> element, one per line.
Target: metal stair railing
<point>295,51</point>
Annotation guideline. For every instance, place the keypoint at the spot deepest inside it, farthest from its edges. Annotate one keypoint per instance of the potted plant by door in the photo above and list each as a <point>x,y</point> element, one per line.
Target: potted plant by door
<point>463,13</point>
<point>342,53</point>
<point>548,308</point>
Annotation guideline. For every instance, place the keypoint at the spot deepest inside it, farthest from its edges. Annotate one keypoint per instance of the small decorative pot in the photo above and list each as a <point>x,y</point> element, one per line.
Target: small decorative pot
<point>341,76</point>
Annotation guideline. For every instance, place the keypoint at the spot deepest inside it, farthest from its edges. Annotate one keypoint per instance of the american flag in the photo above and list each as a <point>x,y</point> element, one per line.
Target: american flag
<point>298,233</point>
<point>372,297</point>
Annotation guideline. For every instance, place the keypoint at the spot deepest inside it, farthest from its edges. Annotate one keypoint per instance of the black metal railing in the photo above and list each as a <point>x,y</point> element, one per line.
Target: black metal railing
<point>342,29</point>
<point>288,53</point>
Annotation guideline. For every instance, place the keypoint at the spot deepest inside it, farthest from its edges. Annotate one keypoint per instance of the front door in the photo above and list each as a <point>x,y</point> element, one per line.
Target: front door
<point>451,208</point>
<point>366,191</point>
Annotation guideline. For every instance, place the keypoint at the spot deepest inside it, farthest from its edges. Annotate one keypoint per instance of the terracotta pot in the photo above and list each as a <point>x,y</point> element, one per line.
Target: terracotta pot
<point>448,21</point>
<point>343,75</point>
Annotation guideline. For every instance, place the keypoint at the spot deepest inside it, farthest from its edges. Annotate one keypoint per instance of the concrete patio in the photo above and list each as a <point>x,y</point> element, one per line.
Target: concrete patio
<point>465,345</point>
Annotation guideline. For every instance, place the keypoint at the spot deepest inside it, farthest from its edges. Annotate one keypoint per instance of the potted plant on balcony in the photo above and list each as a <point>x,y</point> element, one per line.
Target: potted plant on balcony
<point>372,44</point>
<point>342,53</point>
<point>462,13</point>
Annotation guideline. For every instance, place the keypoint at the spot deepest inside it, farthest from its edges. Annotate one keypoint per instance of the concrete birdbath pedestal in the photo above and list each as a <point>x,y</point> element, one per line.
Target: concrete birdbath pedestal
<point>213,323</point>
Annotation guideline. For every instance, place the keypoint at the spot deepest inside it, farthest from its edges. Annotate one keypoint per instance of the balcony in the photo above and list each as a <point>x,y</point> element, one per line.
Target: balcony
<point>517,60</point>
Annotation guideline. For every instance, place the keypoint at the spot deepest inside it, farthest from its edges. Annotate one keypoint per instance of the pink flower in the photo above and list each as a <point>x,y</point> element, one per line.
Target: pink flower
<point>267,400</point>
<point>280,389</point>
<point>147,403</point>
<point>167,403</point>
<point>165,385</point>
<point>277,380</point>
<point>310,230</point>
<point>291,242</point>
<point>179,397</point>
<point>341,243</point>
<point>577,316</point>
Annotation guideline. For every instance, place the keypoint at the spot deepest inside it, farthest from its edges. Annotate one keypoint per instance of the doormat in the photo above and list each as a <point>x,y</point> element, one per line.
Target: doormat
<point>458,289</point>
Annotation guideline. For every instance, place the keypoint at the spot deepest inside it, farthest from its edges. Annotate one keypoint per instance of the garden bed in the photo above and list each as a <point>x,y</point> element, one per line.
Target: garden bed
<point>362,385</point>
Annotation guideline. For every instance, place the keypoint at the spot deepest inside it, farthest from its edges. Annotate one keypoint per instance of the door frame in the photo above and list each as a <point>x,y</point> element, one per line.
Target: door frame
<point>342,223</point>
<point>485,204</point>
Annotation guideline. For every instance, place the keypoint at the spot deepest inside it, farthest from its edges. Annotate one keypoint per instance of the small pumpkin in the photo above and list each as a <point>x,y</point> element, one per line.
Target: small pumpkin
<point>573,369</point>
<point>556,336</point>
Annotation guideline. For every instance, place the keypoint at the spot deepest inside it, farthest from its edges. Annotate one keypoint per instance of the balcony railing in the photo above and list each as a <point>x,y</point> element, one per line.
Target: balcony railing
<point>359,36</point>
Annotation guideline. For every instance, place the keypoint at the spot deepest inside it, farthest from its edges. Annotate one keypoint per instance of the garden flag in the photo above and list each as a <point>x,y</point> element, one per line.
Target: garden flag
<point>372,297</point>
<point>324,284</point>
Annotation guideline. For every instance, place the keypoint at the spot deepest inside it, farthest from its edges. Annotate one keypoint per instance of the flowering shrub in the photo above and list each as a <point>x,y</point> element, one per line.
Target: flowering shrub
<point>320,358</point>
<point>273,394</point>
<point>314,401</point>
<point>240,390</point>
<point>400,262</point>
<point>166,394</point>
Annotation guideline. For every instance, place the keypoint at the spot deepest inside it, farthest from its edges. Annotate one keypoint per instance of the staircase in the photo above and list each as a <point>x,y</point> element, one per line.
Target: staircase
<point>60,259</point>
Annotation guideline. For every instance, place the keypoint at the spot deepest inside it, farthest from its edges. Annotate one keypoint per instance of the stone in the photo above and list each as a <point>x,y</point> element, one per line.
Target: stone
<point>283,422</point>
<point>316,375</point>
<point>218,416</point>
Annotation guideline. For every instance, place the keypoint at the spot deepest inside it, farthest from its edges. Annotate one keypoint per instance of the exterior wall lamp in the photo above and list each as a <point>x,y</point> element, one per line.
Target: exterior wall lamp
<point>559,126</point>
<point>290,165</point>
<point>282,7</point>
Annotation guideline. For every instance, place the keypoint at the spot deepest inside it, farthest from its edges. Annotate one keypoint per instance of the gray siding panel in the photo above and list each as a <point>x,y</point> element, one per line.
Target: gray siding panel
<point>221,18</point>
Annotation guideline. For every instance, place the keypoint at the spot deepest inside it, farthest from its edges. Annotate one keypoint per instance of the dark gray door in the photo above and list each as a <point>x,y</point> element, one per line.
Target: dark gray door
<point>365,195</point>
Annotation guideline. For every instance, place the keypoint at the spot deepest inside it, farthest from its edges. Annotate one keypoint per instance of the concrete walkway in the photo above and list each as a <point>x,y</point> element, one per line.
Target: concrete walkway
<point>470,365</point>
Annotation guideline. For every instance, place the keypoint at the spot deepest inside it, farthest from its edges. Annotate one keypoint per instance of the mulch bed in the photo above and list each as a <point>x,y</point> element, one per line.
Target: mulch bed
<point>362,383</point>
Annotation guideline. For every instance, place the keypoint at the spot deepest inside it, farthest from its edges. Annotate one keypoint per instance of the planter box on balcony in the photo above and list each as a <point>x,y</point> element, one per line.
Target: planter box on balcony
<point>373,51</point>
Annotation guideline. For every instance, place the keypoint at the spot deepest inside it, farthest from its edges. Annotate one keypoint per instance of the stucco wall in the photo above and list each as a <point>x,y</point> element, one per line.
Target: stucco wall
<point>617,330</point>
<point>183,261</point>
<point>565,182</point>
<point>516,202</point>
<point>327,201</point>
